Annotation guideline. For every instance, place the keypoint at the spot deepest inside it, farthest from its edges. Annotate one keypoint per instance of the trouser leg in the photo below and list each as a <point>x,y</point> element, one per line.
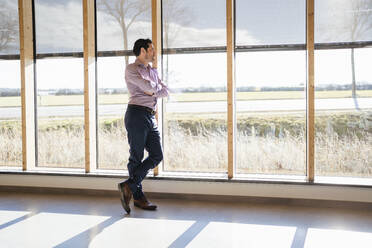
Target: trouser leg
<point>137,136</point>
<point>155,154</point>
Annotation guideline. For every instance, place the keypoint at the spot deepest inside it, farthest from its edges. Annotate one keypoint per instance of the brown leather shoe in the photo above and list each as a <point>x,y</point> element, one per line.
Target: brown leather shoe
<point>144,204</point>
<point>125,195</point>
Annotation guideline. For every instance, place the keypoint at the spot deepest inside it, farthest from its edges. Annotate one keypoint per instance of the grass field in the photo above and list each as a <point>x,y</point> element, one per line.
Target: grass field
<point>272,144</point>
<point>183,97</point>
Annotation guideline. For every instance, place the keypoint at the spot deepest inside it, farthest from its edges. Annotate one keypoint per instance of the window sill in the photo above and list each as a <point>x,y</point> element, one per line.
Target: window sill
<point>195,176</point>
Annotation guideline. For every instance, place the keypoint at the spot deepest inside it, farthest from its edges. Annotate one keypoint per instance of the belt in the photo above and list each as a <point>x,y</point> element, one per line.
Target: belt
<point>150,110</point>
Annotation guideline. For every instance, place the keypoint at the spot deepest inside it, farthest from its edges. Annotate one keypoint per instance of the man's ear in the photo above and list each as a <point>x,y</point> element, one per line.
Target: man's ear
<point>143,50</point>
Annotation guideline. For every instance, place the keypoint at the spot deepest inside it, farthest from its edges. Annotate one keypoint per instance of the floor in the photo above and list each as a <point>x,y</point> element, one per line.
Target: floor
<point>55,220</point>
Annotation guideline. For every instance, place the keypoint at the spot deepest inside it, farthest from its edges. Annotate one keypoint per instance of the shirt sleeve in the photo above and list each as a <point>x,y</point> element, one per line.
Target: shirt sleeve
<point>162,91</point>
<point>134,77</point>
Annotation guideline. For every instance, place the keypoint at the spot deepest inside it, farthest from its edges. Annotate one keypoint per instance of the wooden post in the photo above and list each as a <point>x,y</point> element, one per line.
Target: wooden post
<point>27,84</point>
<point>230,52</point>
<point>89,86</point>
<point>156,39</point>
<point>310,89</point>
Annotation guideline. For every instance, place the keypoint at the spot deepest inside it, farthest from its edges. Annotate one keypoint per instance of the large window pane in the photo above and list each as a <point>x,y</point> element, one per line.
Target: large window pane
<point>59,26</point>
<point>10,114</point>
<point>119,25</point>
<point>60,112</point>
<point>194,121</point>
<point>271,137</point>
<point>343,123</point>
<point>343,20</point>
<point>9,27</point>
<point>10,87</point>
<point>343,81</point>
<point>113,148</point>
<point>270,22</point>
<point>194,23</point>
<point>195,137</point>
<point>60,83</point>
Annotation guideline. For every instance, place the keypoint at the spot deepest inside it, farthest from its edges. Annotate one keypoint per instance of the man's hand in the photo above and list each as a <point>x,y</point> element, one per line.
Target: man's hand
<point>148,93</point>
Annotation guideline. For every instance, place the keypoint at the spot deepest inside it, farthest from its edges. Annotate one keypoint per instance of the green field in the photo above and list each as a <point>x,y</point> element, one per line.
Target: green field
<point>183,97</point>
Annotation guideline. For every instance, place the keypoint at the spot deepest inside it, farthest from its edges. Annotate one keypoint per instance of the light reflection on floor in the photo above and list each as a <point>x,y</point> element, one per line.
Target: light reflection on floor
<point>47,229</point>
<point>137,232</point>
<point>91,221</point>
<point>219,234</point>
<point>317,237</point>
<point>7,216</point>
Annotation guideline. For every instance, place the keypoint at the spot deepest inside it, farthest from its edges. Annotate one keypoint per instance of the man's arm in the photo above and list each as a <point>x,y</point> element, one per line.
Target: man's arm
<point>163,90</point>
<point>134,77</point>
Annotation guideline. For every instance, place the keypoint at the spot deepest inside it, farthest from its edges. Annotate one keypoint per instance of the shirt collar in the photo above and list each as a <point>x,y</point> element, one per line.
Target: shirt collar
<point>138,62</point>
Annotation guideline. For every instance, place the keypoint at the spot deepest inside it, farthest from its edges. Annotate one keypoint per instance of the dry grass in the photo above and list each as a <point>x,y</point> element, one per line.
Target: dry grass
<point>207,152</point>
<point>11,145</point>
<point>113,148</point>
<point>203,151</point>
<point>271,155</point>
<point>61,148</point>
<point>350,155</point>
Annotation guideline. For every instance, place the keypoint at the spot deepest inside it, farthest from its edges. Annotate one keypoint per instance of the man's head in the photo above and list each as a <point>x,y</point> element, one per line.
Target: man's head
<point>144,50</point>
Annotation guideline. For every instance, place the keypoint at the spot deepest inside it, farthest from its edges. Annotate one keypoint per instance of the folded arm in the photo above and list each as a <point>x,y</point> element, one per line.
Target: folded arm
<point>162,91</point>
<point>136,78</point>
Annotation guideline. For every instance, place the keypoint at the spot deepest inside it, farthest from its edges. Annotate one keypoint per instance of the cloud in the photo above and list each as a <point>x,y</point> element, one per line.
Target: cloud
<point>181,36</point>
<point>59,28</point>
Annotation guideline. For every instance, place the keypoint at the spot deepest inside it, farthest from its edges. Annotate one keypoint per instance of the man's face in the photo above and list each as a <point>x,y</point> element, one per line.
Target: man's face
<point>150,53</point>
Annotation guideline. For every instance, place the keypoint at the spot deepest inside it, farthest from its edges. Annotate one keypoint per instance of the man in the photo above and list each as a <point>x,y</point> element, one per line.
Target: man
<point>145,87</point>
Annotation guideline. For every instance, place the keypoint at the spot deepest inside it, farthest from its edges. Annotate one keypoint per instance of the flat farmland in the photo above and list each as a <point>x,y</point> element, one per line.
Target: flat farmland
<point>51,100</point>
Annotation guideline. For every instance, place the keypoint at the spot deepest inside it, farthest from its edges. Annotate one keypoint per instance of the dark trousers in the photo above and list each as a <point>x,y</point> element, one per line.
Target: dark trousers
<point>143,134</point>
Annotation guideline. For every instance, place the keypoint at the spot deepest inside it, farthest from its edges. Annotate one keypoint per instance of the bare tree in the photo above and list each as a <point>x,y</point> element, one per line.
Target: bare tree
<point>360,24</point>
<point>125,12</point>
<point>8,26</point>
<point>175,15</point>
<point>352,21</point>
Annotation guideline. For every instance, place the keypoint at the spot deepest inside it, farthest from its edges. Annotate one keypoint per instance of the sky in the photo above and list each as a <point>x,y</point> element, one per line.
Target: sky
<point>257,69</point>
<point>202,23</point>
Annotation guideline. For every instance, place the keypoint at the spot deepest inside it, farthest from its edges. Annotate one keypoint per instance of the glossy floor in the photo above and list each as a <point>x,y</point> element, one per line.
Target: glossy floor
<point>55,220</point>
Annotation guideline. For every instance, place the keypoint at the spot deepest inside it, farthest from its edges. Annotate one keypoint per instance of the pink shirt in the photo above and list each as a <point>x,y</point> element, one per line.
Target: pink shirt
<point>141,79</point>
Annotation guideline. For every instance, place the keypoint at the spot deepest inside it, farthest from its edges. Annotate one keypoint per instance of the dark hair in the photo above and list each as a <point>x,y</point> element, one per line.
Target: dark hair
<point>139,44</point>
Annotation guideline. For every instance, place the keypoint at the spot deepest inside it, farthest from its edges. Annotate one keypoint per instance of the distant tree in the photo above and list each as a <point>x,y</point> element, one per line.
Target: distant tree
<point>360,25</point>
<point>352,21</point>
<point>175,15</point>
<point>125,12</point>
<point>9,92</point>
<point>8,26</point>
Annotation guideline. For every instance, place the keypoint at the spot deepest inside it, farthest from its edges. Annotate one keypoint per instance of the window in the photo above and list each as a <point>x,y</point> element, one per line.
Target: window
<point>119,25</point>
<point>343,83</point>
<point>194,121</point>
<point>60,83</point>
<point>270,63</point>
<point>271,78</point>
<point>10,86</point>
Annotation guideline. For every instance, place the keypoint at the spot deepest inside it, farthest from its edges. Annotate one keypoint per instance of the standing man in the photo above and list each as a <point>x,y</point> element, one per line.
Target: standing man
<point>145,87</point>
